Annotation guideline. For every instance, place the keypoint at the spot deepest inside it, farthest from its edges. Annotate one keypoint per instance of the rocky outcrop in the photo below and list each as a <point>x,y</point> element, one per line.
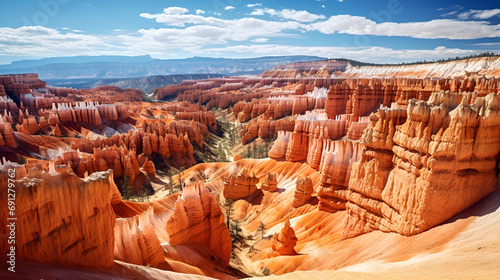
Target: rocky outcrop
<point>6,134</point>
<point>270,184</point>
<point>336,163</point>
<point>62,219</point>
<point>149,167</point>
<point>278,151</point>
<point>297,147</point>
<point>136,241</point>
<point>303,191</point>
<point>207,118</point>
<point>443,160</point>
<point>198,219</point>
<point>240,186</point>
<point>284,242</point>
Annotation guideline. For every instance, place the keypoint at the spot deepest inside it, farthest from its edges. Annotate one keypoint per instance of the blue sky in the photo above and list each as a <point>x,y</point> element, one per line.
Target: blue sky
<point>373,31</point>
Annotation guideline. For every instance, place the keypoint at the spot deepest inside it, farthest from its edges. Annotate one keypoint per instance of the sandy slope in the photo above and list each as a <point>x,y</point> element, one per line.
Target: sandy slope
<point>473,252</point>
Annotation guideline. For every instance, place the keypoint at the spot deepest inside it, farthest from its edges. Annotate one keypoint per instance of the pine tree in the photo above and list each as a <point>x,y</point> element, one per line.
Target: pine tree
<point>229,205</point>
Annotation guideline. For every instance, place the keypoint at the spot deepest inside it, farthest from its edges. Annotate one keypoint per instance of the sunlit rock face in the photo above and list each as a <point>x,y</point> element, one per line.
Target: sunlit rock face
<point>303,191</point>
<point>284,242</point>
<point>136,240</point>
<point>241,185</point>
<point>440,161</point>
<point>199,219</point>
<point>337,160</point>
<point>62,219</point>
<point>271,183</point>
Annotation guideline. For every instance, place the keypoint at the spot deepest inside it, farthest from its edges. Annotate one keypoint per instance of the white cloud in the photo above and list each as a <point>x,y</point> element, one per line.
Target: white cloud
<point>221,32</point>
<point>199,39</point>
<point>302,16</point>
<point>488,44</point>
<point>254,5</point>
<point>181,19</point>
<point>200,12</point>
<point>39,40</point>
<point>438,28</point>
<point>257,12</point>
<point>479,14</point>
<point>175,10</point>
<point>227,30</point>
<point>227,8</point>
<point>260,40</point>
<point>302,21</point>
<point>449,14</point>
<point>78,31</point>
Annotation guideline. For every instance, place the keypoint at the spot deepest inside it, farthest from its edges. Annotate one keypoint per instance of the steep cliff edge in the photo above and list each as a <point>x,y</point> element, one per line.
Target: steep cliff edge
<point>439,162</point>
<point>487,66</point>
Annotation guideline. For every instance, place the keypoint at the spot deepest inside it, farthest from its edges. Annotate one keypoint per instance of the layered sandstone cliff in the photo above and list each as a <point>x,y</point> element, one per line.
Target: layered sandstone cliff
<point>198,219</point>
<point>136,240</point>
<point>439,162</point>
<point>62,219</point>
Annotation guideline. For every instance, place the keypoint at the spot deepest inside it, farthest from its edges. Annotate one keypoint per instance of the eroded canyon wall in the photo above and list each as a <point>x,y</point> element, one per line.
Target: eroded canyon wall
<point>199,219</point>
<point>62,219</point>
<point>440,161</point>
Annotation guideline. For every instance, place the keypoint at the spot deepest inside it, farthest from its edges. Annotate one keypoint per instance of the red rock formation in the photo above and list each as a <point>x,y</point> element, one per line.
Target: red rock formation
<point>336,163</point>
<point>284,242</point>
<point>303,191</point>
<point>149,167</point>
<point>271,184</point>
<point>7,135</point>
<point>109,112</point>
<point>439,162</point>
<point>356,129</point>
<point>87,112</point>
<point>297,147</point>
<point>278,151</point>
<point>56,131</point>
<point>237,157</point>
<point>136,241</point>
<point>207,118</point>
<point>250,133</point>
<point>198,219</point>
<point>7,104</point>
<point>240,186</point>
<point>58,225</point>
